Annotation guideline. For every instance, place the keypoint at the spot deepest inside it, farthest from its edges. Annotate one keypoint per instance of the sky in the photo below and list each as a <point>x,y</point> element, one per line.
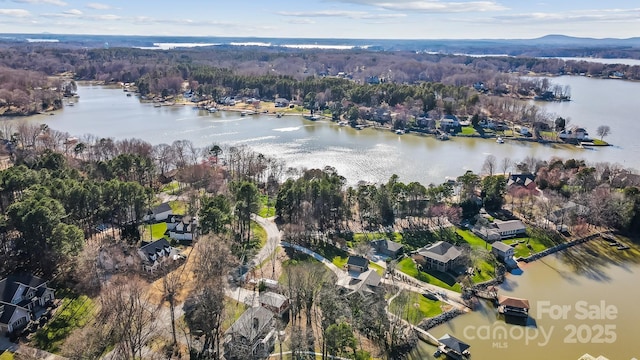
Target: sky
<point>373,19</point>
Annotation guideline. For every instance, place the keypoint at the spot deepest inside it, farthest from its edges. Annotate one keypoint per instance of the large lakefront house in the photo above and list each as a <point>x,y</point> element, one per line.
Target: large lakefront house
<point>440,256</point>
<point>23,298</point>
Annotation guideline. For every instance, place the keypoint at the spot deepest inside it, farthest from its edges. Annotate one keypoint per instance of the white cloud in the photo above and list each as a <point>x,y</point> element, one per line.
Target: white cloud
<point>15,12</point>
<point>432,6</point>
<point>98,6</point>
<point>74,12</point>
<point>50,2</point>
<point>339,13</point>
<point>605,15</point>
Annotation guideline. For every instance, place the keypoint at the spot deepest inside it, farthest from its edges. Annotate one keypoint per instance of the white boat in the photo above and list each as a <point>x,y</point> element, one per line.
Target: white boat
<point>212,109</point>
<point>343,123</point>
<point>400,132</point>
<point>499,140</point>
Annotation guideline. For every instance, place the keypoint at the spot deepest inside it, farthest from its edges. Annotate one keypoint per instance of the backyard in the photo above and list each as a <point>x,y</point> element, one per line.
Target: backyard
<point>436,278</point>
<point>414,307</point>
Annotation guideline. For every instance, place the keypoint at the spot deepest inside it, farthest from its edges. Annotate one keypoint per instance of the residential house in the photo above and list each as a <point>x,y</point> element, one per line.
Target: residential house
<point>449,122</point>
<point>425,122</point>
<point>281,102</point>
<point>373,80</point>
<point>386,247</point>
<point>23,297</point>
<point>252,336</point>
<point>502,251</point>
<point>274,302</point>
<point>574,134</point>
<point>358,264</point>
<point>568,210</point>
<point>440,256</point>
<point>624,178</point>
<point>159,213</point>
<point>360,282</point>
<point>488,234</point>
<point>154,254</point>
<point>182,228</point>
<point>527,181</point>
<point>510,228</point>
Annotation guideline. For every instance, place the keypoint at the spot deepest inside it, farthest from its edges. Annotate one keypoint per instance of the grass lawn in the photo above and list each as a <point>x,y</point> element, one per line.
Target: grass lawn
<point>74,312</point>
<point>170,188</point>
<point>232,311</point>
<point>417,308</point>
<point>484,271</point>
<point>178,207</point>
<point>259,233</point>
<point>436,278</point>
<point>267,206</point>
<point>157,231</point>
<point>6,356</point>
<point>522,250</point>
<point>379,269</point>
<point>472,239</point>
<point>599,142</point>
<point>336,256</point>
<point>468,130</point>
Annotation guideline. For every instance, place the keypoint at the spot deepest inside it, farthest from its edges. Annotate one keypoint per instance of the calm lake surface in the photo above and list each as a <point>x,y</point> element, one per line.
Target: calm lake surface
<point>547,284</point>
<point>370,155</point>
<point>374,155</point>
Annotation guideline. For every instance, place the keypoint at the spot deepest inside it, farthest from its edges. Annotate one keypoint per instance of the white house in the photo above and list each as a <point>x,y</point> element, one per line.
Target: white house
<point>502,251</point>
<point>154,254</point>
<point>510,228</point>
<point>182,228</point>
<point>159,213</point>
<point>21,299</point>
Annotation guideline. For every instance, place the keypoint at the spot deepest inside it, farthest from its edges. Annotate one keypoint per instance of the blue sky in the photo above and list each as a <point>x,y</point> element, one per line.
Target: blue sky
<point>384,19</point>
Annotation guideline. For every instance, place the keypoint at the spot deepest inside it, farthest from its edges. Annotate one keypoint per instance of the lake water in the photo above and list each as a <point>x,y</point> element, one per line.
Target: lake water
<point>549,284</point>
<point>370,154</point>
<point>374,155</point>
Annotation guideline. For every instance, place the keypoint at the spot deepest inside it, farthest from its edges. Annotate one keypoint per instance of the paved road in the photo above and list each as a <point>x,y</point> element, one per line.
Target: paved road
<point>274,236</point>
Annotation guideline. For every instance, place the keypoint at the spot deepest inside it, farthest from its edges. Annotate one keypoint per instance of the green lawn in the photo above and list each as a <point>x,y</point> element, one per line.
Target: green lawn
<point>379,269</point>
<point>6,356</point>
<point>170,188</point>
<point>484,271</point>
<point>436,278</point>
<point>336,256</point>
<point>417,308</point>
<point>74,312</point>
<point>157,231</point>
<point>599,142</point>
<point>232,311</point>
<point>468,130</point>
<point>178,207</point>
<point>259,233</point>
<point>472,239</point>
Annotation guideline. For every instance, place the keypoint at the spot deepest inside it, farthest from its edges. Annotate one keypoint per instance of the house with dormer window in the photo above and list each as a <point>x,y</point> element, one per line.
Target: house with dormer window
<point>154,254</point>
<point>23,297</point>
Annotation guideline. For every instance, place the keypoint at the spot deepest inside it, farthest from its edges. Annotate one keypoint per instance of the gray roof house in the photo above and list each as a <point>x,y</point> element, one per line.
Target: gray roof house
<point>503,252</point>
<point>154,254</point>
<point>182,228</point>
<point>357,263</point>
<point>510,228</point>
<point>22,296</point>
<point>252,336</point>
<point>440,256</point>
<point>386,247</point>
<point>159,213</point>
<point>276,303</point>
<point>362,282</point>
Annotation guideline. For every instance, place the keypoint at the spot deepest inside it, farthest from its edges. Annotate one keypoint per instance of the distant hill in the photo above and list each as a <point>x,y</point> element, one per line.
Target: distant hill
<point>549,45</point>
